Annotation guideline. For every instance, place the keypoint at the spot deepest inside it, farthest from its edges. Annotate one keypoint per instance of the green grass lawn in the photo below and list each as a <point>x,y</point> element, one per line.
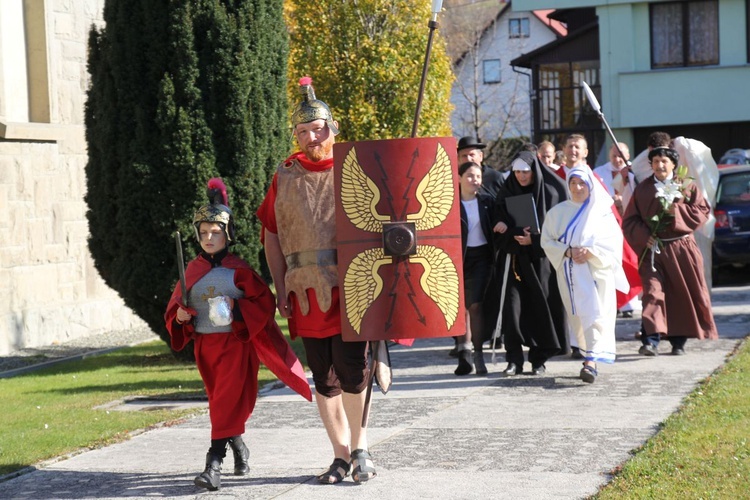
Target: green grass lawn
<point>51,412</point>
<point>703,450</point>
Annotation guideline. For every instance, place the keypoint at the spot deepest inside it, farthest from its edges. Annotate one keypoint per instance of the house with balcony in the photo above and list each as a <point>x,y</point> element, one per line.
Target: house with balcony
<point>680,67</point>
<point>490,99</point>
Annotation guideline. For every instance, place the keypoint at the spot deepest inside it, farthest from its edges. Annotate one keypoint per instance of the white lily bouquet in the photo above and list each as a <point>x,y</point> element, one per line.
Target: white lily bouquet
<point>667,192</point>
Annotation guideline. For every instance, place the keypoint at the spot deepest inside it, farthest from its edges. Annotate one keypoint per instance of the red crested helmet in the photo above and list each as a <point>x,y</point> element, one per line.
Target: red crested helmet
<point>216,211</point>
<point>310,108</point>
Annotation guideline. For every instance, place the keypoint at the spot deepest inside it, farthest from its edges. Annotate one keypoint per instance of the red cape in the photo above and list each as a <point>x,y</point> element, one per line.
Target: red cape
<point>269,343</point>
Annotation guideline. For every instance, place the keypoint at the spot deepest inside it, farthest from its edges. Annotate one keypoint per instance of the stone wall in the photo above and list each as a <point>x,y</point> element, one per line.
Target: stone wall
<point>49,289</point>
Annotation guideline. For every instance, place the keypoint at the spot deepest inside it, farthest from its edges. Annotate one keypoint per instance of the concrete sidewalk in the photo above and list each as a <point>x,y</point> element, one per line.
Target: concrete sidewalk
<point>434,435</point>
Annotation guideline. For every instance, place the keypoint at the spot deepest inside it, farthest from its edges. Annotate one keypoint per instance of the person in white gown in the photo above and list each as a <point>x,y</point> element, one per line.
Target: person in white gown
<point>583,241</point>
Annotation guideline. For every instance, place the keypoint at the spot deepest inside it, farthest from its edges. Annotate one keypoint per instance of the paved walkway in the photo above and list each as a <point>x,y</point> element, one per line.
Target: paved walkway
<point>434,435</point>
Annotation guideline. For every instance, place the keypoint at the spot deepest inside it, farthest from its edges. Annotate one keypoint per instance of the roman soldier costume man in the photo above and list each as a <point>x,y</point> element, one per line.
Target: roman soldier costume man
<point>298,217</point>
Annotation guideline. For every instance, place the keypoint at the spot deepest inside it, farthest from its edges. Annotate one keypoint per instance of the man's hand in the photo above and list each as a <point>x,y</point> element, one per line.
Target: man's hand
<point>285,307</point>
<point>500,227</point>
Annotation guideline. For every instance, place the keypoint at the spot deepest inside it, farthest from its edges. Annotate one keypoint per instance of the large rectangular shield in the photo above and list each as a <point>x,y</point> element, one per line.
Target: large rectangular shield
<point>398,233</point>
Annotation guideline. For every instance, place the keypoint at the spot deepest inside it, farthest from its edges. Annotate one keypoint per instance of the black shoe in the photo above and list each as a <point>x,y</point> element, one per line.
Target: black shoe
<point>211,477</point>
<point>539,370</point>
<point>241,454</point>
<point>481,368</point>
<point>464,363</point>
<point>678,351</point>
<point>575,353</point>
<point>648,350</point>
<point>453,353</point>
<point>627,314</point>
<point>512,369</point>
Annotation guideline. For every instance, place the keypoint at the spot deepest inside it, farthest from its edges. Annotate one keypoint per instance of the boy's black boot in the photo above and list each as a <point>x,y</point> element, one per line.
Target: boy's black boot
<point>211,477</point>
<point>241,455</point>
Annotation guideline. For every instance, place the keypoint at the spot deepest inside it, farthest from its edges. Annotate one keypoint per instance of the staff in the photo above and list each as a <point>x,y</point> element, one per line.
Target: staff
<point>437,6</point>
<point>597,107</point>
<point>380,362</point>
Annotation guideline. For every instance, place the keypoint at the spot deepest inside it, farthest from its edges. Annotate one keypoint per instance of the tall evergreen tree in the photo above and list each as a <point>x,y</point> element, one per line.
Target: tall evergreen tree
<point>181,91</point>
<point>366,58</point>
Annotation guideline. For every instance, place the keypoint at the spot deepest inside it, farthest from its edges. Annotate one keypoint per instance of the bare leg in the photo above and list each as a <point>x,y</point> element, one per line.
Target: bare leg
<point>334,419</point>
<point>354,405</point>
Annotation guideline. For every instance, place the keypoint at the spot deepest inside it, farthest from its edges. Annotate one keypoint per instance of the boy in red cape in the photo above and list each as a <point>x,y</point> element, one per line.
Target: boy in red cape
<point>231,320</point>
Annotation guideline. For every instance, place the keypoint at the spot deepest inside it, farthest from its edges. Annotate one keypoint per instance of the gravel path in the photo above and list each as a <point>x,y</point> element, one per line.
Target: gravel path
<point>18,360</point>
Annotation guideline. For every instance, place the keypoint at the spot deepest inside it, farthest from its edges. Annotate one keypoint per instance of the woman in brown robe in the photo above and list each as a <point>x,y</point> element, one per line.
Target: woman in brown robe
<point>676,300</point>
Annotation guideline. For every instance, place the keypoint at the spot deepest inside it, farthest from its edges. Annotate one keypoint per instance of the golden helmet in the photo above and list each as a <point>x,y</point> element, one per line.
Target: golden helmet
<point>310,108</point>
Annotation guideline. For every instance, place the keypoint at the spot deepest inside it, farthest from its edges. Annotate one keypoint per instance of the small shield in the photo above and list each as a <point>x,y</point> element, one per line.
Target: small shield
<point>398,234</point>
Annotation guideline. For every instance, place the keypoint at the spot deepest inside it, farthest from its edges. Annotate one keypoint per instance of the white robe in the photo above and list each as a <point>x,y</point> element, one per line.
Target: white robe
<point>614,185</point>
<point>590,300</point>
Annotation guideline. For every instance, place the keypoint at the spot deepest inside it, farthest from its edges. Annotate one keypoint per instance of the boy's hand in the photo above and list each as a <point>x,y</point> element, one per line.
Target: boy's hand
<point>183,315</point>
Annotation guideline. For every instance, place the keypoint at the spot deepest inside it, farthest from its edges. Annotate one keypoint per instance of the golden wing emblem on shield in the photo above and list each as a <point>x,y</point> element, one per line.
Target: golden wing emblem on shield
<point>360,196</point>
<point>435,193</point>
<point>362,284</point>
<point>440,280</point>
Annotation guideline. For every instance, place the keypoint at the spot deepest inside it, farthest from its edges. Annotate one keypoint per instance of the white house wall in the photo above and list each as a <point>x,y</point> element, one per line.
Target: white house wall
<point>504,108</point>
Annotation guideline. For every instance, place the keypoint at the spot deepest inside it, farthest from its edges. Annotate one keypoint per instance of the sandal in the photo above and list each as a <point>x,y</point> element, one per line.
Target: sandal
<point>336,472</point>
<point>363,466</point>
<point>588,374</point>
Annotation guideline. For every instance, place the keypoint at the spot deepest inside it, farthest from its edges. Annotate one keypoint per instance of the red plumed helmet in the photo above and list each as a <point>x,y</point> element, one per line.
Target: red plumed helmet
<point>217,210</point>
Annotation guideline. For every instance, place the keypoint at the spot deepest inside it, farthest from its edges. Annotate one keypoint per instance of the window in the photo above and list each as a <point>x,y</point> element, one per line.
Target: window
<point>24,87</point>
<point>561,101</point>
<point>491,70</point>
<point>519,28</point>
<point>684,34</point>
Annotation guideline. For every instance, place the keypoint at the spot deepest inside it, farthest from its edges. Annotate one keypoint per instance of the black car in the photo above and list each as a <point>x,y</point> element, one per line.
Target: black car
<point>732,241</point>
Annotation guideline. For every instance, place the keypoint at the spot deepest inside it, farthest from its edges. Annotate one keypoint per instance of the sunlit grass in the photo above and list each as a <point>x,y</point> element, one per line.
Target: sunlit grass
<point>51,412</point>
<point>702,451</point>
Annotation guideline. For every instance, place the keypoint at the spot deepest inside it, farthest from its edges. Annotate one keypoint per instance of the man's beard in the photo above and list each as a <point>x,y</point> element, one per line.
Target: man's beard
<point>322,153</point>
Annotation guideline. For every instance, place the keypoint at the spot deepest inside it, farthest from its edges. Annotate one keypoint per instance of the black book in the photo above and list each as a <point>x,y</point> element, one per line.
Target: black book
<point>523,210</point>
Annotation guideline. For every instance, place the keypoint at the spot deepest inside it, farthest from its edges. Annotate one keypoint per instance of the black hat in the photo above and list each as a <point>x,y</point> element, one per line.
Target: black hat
<point>470,142</point>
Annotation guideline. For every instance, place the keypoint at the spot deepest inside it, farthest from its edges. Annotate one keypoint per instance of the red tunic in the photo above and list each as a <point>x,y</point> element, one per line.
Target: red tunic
<point>228,363</point>
<point>316,324</point>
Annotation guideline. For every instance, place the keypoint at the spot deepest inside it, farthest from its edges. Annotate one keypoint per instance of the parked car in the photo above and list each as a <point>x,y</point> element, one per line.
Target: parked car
<point>735,156</point>
<point>732,210</point>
